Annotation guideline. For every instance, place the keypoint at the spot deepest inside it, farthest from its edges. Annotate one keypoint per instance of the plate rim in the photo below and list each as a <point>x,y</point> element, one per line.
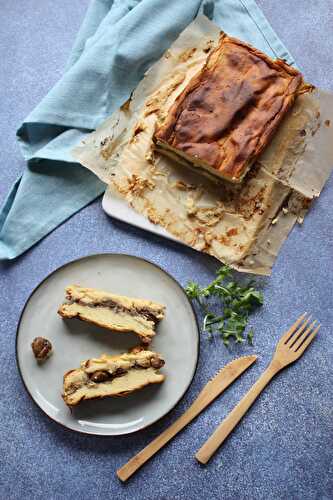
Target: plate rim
<point>85,432</point>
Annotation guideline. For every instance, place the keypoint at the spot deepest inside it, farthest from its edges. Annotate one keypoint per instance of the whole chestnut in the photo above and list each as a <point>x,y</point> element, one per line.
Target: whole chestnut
<point>41,348</point>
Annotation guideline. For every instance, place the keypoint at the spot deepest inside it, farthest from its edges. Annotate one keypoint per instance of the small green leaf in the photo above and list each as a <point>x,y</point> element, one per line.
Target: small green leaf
<point>250,336</point>
<point>193,290</point>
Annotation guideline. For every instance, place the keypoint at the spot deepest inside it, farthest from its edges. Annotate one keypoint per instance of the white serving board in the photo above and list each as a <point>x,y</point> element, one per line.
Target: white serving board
<point>117,207</point>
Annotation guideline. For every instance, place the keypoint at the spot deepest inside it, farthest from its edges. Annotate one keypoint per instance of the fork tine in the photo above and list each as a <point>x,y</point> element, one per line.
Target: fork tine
<point>300,333</point>
<point>287,336</point>
<point>302,336</point>
<point>307,341</point>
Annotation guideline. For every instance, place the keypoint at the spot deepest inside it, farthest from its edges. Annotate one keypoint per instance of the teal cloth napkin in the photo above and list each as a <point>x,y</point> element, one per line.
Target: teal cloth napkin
<point>117,42</point>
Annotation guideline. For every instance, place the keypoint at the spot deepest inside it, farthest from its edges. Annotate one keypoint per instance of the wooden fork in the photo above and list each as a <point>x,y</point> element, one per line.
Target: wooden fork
<point>289,348</point>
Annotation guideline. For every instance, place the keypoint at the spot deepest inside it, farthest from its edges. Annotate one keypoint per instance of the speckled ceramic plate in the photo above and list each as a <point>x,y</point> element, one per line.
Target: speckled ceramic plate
<point>177,339</point>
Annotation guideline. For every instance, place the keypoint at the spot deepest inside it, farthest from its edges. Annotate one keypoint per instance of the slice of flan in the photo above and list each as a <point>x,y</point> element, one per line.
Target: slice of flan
<point>114,312</point>
<point>109,376</point>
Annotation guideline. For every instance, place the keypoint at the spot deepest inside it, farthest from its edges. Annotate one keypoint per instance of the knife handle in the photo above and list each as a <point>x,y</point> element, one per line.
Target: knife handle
<point>127,470</point>
<point>216,386</point>
<point>230,422</point>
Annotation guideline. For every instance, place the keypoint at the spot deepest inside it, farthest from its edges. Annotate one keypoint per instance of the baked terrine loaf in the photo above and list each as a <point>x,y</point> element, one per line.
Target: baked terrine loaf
<point>229,111</point>
<point>112,376</point>
<point>111,311</point>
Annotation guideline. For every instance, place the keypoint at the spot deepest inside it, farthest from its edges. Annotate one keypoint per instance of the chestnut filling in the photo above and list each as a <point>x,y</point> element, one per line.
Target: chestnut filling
<point>111,304</point>
<point>102,375</point>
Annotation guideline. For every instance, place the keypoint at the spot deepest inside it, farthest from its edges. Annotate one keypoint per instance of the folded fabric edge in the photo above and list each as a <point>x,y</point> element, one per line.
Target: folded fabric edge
<point>49,141</point>
<point>27,224</point>
<point>267,31</point>
<point>96,12</point>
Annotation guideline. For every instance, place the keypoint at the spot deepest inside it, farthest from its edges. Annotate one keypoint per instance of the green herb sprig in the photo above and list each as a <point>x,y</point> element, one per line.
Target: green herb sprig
<point>236,302</point>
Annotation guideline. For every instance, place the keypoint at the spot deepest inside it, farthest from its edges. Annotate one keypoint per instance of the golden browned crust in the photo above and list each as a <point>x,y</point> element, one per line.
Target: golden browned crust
<point>228,112</point>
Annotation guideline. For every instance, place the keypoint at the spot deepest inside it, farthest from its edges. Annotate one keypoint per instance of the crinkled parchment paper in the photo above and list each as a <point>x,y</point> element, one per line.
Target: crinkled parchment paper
<point>244,225</point>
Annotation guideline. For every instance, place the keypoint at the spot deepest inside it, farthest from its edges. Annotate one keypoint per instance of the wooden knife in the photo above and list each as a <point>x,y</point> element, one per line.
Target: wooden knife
<point>226,376</point>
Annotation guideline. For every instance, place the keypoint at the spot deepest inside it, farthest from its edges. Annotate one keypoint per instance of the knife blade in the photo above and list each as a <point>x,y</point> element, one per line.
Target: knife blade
<point>216,386</point>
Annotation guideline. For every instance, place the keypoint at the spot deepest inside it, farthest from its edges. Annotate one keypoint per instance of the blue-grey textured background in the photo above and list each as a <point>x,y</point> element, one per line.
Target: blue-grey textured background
<point>283,448</point>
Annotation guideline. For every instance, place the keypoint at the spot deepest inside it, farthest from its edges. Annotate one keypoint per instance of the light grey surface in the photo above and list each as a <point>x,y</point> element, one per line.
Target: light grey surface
<point>282,449</point>
<point>74,341</point>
